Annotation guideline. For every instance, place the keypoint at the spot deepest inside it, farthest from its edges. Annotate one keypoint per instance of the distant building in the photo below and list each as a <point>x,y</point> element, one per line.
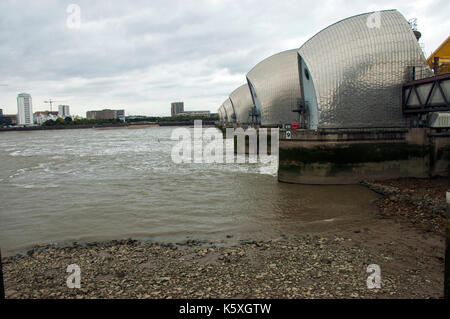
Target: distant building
<point>43,116</point>
<point>177,108</point>
<point>195,113</point>
<point>4,120</point>
<point>63,111</point>
<point>24,109</point>
<point>9,119</point>
<point>106,114</point>
<point>120,115</point>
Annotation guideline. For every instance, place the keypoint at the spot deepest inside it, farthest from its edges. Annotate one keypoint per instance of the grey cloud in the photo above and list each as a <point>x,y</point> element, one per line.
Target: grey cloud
<point>145,54</point>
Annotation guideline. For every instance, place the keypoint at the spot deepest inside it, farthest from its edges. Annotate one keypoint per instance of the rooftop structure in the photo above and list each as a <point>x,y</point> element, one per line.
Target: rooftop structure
<point>243,104</point>
<point>230,115</point>
<point>352,71</point>
<point>275,88</point>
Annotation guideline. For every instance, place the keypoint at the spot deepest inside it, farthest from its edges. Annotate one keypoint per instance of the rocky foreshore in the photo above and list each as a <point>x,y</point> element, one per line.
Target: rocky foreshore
<point>420,202</point>
<point>323,265</point>
<point>300,267</point>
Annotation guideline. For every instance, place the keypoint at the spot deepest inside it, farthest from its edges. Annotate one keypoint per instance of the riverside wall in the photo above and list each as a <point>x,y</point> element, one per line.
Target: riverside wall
<point>347,156</point>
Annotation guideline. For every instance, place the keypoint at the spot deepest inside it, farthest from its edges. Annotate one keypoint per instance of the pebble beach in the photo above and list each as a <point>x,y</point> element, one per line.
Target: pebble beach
<point>405,238</point>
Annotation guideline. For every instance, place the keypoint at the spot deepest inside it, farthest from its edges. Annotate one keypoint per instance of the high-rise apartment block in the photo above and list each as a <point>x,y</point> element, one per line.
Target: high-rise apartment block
<point>176,108</point>
<point>24,109</point>
<point>63,111</point>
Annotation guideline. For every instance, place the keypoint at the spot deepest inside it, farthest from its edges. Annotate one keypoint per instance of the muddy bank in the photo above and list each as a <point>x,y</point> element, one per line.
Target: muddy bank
<point>404,238</point>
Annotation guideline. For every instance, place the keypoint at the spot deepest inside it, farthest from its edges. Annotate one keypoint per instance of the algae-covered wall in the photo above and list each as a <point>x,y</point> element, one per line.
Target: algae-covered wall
<point>440,159</point>
<point>351,156</point>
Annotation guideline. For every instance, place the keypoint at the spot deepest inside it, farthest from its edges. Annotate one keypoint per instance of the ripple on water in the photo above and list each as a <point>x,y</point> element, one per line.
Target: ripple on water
<point>119,183</point>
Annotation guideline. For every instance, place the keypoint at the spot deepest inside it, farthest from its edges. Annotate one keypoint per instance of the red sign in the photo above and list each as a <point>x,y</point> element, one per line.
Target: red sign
<point>295,126</point>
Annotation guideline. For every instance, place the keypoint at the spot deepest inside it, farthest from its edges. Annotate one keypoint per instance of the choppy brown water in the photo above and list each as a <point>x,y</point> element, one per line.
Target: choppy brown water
<point>77,185</point>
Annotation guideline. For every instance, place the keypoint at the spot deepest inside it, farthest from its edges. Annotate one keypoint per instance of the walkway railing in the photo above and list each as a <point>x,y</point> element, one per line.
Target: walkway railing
<point>427,95</point>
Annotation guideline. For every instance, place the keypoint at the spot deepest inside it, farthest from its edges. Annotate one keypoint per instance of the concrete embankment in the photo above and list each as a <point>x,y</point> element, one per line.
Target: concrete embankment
<point>101,126</point>
<point>61,127</point>
<point>204,123</point>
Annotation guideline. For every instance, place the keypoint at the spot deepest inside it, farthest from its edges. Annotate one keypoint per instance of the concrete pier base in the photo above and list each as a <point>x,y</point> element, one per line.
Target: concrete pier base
<point>348,156</point>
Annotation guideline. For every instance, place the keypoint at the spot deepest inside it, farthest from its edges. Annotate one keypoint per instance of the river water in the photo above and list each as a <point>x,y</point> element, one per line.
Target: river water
<point>96,184</point>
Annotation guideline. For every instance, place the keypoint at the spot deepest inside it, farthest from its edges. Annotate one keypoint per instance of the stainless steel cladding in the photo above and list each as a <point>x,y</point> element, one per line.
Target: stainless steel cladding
<point>230,114</point>
<point>275,87</point>
<point>221,114</point>
<point>357,67</point>
<point>225,115</point>
<point>243,104</point>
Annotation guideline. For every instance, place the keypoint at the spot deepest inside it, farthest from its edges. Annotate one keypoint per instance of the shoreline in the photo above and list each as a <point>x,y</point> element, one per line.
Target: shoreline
<point>100,126</point>
<point>317,265</point>
<point>60,127</point>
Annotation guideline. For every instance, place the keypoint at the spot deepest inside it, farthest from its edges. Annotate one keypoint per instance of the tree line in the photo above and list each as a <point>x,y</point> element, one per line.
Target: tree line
<point>68,121</point>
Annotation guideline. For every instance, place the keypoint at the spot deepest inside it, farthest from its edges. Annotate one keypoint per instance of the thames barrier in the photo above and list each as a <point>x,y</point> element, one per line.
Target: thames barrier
<point>356,102</point>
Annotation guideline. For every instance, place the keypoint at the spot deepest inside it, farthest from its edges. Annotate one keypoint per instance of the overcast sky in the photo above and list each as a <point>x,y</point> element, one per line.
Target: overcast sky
<point>142,55</point>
